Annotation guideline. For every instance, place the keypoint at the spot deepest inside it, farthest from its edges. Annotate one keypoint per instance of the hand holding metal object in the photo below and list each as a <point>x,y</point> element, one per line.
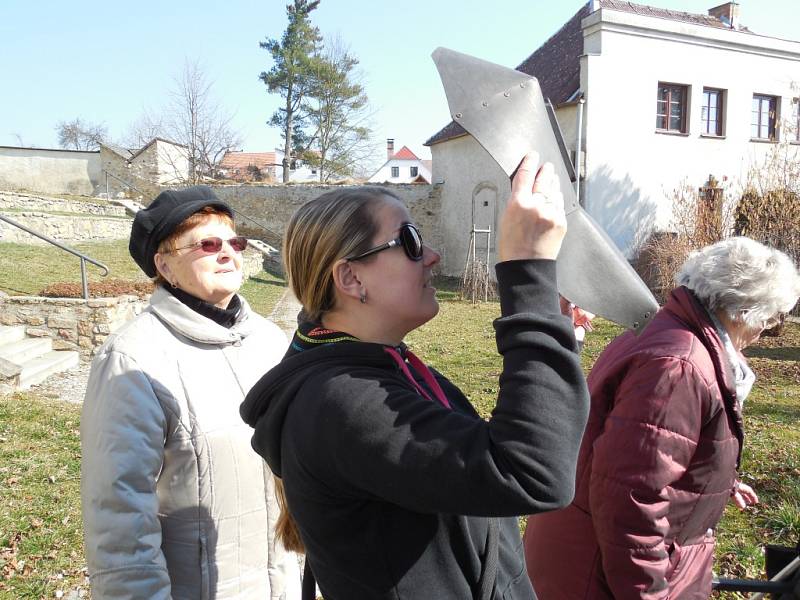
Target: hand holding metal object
<point>504,110</point>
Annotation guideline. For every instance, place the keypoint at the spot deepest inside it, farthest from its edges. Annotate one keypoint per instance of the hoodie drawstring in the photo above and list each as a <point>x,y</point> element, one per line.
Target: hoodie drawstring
<point>424,371</point>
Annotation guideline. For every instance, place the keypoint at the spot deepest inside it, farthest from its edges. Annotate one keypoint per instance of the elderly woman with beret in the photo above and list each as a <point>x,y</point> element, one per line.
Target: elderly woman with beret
<point>659,458</point>
<point>175,502</point>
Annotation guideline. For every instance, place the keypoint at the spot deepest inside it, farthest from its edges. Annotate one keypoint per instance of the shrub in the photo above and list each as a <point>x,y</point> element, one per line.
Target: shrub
<point>700,217</point>
<point>99,289</point>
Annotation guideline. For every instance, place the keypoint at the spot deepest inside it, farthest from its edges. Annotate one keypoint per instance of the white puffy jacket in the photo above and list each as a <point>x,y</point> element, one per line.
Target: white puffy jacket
<point>176,504</point>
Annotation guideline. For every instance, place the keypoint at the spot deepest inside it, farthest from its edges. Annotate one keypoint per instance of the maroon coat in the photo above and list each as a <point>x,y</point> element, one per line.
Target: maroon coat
<point>657,465</point>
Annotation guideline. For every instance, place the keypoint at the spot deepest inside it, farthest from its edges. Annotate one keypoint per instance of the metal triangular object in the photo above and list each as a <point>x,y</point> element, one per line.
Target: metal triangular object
<point>504,110</point>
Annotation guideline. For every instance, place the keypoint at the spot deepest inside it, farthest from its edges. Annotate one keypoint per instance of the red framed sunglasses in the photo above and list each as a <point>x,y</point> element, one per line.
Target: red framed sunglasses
<point>213,245</point>
<point>410,239</point>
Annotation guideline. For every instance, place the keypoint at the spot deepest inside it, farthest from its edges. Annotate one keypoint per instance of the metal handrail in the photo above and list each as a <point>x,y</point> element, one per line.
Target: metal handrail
<point>83,257</point>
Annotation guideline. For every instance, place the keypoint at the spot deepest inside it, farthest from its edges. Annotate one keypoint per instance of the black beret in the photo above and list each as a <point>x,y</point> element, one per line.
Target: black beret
<point>156,222</point>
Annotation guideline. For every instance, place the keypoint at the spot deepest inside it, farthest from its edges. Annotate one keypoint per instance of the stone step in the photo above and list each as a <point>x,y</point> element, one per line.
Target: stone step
<point>11,333</point>
<point>40,368</point>
<point>262,247</point>
<point>23,350</point>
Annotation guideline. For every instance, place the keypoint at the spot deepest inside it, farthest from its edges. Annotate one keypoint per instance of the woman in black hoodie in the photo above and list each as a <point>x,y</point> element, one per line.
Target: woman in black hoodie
<point>394,486</point>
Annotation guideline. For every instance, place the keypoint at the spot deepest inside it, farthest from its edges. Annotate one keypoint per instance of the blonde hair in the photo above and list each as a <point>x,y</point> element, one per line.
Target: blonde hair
<point>333,226</point>
<point>201,217</point>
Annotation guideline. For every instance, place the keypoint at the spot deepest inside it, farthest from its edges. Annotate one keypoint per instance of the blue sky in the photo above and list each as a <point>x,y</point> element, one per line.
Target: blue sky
<point>107,61</point>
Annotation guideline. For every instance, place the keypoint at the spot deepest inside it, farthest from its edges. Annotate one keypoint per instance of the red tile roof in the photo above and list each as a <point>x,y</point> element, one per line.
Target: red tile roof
<point>242,160</point>
<point>405,154</point>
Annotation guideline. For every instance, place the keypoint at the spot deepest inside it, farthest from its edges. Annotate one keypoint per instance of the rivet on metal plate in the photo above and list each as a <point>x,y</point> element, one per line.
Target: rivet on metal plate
<point>506,94</point>
<point>458,115</point>
<point>484,104</point>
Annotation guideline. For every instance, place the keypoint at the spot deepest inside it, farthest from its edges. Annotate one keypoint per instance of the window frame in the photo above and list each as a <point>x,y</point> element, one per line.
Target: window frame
<point>395,171</point>
<point>796,119</point>
<point>719,130</point>
<point>666,117</point>
<point>772,118</point>
<point>413,171</point>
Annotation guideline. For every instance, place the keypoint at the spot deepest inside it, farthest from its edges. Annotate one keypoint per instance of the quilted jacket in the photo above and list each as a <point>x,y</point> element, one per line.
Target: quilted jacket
<point>657,465</point>
<point>175,502</point>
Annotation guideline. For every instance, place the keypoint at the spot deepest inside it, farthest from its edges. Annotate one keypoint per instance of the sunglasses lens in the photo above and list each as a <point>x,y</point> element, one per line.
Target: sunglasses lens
<point>412,242</point>
<point>210,245</point>
<point>238,243</point>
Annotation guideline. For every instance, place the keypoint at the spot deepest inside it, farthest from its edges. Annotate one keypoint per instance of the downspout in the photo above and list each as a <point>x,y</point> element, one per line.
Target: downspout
<point>579,151</point>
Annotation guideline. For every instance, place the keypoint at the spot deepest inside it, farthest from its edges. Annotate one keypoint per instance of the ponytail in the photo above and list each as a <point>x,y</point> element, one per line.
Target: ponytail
<point>286,529</point>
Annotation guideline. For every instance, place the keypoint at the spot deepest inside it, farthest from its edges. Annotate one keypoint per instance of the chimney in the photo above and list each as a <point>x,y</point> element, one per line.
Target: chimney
<point>389,148</point>
<point>728,13</point>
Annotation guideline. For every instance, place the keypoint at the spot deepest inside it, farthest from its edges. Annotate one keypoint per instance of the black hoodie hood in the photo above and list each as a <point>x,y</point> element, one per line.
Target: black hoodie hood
<point>266,405</point>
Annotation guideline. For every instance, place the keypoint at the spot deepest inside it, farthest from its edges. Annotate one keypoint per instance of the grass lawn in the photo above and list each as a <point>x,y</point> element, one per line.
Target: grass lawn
<point>26,269</point>
<point>41,546</point>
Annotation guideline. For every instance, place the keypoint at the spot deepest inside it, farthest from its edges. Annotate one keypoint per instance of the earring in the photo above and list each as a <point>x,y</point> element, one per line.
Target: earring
<point>363,297</point>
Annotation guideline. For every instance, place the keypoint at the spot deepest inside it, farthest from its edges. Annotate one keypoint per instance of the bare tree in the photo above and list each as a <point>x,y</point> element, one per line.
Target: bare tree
<point>196,120</point>
<point>338,114</point>
<point>192,118</point>
<point>80,135</point>
<point>20,142</point>
<point>146,127</point>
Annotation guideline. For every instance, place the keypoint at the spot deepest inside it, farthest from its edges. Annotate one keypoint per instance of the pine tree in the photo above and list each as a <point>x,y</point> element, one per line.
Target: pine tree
<point>290,76</point>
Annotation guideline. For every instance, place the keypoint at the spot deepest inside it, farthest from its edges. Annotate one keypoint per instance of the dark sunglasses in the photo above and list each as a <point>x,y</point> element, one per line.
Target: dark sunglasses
<point>410,239</point>
<point>214,244</point>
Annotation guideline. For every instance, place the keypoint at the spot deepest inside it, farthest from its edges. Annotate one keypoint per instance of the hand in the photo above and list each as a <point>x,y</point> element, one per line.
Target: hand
<point>743,495</point>
<point>533,224</point>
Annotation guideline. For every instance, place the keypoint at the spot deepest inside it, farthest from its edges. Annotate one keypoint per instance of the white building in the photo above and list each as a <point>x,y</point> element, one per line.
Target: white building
<point>402,166</point>
<point>665,97</point>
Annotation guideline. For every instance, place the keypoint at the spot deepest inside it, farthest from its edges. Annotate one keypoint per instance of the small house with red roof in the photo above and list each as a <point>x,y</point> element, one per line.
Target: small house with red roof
<point>653,100</point>
<point>402,166</point>
<point>249,166</point>
<point>263,166</point>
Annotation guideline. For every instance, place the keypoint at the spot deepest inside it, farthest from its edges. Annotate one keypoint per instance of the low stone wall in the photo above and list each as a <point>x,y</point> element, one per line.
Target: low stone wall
<point>252,263</point>
<point>74,324</point>
<point>64,228</point>
<point>17,201</point>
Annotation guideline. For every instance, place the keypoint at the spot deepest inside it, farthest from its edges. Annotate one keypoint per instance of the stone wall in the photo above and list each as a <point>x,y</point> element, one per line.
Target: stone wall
<point>74,324</point>
<point>17,201</point>
<point>64,228</point>
<point>134,174</point>
<point>49,171</point>
<point>273,205</point>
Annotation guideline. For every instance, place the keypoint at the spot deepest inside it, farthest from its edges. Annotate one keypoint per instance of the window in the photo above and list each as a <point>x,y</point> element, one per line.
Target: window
<point>414,171</point>
<point>395,171</point>
<point>671,107</point>
<point>796,118</point>
<point>711,112</point>
<point>765,113</point>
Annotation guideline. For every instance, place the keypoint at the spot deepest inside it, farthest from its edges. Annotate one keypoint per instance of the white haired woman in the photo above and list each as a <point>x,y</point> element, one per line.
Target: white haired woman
<point>175,503</point>
<point>661,450</point>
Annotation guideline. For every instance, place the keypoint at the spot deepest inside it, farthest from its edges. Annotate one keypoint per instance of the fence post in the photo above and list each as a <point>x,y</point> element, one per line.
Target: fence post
<point>84,282</point>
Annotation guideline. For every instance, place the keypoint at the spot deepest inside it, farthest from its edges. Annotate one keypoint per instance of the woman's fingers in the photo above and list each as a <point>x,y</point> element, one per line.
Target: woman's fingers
<point>525,177</point>
<point>533,224</point>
